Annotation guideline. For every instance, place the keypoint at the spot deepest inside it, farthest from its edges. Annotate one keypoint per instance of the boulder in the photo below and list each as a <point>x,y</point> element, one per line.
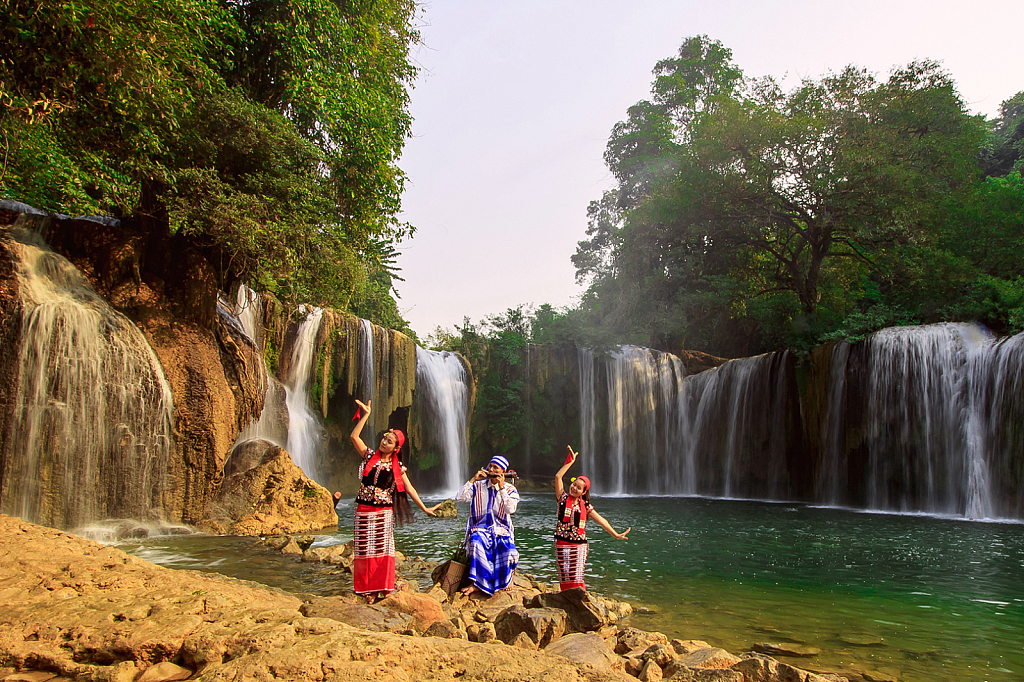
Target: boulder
<point>629,639</point>
<point>493,606</point>
<point>662,654</point>
<point>447,510</point>
<point>444,629</point>
<point>481,632</point>
<point>165,672</point>
<point>586,648</point>
<point>424,610</point>
<point>685,647</point>
<point>685,674</point>
<point>709,658</point>
<point>583,613</point>
<point>273,497</point>
<point>542,625</point>
<point>650,672</point>
<point>523,641</point>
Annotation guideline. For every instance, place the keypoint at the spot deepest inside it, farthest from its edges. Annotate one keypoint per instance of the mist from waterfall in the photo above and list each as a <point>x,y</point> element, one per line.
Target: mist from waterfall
<point>442,399</point>
<point>93,427</point>
<point>305,434</point>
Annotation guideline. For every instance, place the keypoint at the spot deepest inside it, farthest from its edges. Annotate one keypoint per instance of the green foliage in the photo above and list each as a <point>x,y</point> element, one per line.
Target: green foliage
<point>266,133</point>
<point>747,218</point>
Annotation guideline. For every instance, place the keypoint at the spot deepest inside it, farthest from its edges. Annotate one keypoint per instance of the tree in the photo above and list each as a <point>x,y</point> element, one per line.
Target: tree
<point>266,134</point>
<point>761,204</point>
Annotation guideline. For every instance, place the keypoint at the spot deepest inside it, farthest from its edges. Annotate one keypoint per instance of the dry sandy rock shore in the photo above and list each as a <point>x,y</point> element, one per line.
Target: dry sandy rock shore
<point>72,608</point>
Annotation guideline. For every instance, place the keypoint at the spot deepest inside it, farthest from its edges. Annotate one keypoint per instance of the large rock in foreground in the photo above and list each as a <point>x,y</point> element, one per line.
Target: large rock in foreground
<point>271,498</point>
<point>76,608</point>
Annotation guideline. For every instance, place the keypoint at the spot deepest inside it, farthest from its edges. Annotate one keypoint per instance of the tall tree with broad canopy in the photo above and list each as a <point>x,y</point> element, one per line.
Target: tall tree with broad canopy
<point>744,212</point>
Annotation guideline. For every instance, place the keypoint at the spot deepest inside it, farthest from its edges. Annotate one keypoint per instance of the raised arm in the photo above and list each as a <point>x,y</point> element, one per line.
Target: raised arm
<point>429,511</point>
<point>608,527</point>
<point>357,442</point>
<point>569,461</point>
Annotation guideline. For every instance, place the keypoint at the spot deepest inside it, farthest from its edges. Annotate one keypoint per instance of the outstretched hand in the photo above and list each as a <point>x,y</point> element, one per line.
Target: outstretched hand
<point>571,458</point>
<point>432,511</point>
<point>623,534</point>
<point>365,407</point>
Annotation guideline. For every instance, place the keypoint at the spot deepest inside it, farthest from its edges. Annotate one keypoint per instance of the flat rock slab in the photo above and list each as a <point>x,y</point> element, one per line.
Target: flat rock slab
<point>364,616</point>
<point>786,649</point>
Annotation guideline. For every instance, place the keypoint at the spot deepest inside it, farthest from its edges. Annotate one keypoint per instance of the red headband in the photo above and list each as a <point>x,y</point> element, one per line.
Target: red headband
<point>399,436</point>
<point>586,482</point>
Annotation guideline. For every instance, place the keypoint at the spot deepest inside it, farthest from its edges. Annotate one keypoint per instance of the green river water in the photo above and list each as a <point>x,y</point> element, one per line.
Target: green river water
<point>914,598</point>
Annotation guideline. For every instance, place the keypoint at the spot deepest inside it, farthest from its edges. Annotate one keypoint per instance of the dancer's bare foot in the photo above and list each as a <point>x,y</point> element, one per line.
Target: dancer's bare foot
<point>469,590</point>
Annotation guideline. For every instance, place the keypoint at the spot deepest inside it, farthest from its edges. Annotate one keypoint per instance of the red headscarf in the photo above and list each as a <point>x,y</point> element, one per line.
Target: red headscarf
<point>396,465</point>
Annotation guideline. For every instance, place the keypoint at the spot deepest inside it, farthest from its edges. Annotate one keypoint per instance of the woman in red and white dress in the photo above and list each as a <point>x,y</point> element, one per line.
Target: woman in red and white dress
<point>574,508</point>
<point>382,500</point>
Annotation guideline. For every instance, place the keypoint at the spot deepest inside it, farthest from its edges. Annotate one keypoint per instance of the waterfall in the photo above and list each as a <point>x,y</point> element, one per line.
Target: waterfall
<point>92,432</point>
<point>832,479</point>
<point>367,375</point>
<point>442,395</point>
<point>588,428</point>
<point>645,428</point>
<point>721,432</point>
<point>919,417</point>
<point>273,422</point>
<point>249,310</point>
<point>304,431</point>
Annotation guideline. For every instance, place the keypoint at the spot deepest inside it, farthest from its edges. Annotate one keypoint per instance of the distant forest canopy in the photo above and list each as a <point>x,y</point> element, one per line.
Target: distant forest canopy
<point>747,218</point>
<point>268,133</point>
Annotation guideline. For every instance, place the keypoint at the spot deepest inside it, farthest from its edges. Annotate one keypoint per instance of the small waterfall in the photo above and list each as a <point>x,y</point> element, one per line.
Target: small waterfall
<point>249,310</point>
<point>304,431</point>
<point>367,374</point>
<point>443,401</point>
<point>646,444</point>
<point>273,422</point>
<point>588,428</point>
<point>92,433</point>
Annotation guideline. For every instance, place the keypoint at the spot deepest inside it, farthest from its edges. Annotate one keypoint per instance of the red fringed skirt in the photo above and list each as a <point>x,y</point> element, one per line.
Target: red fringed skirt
<point>373,567</point>
<point>571,558</point>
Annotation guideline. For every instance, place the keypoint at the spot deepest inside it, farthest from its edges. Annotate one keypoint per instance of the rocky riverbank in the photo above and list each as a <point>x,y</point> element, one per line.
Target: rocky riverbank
<point>73,609</point>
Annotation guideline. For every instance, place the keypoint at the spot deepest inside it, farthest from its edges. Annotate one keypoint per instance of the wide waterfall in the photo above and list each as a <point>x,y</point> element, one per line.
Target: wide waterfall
<point>92,433</point>
<point>305,433</point>
<point>914,419</point>
<point>442,404</point>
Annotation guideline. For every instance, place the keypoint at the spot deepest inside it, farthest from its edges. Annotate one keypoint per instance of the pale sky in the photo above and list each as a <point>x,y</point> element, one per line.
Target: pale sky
<point>516,100</point>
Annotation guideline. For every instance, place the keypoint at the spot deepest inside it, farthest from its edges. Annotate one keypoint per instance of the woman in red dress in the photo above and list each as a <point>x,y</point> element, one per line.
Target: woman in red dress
<point>381,502</point>
<point>574,508</point>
